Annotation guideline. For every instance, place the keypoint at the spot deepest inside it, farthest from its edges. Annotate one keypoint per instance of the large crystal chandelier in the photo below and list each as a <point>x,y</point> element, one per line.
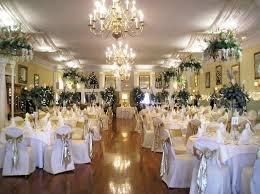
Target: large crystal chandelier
<point>123,71</point>
<point>120,54</point>
<point>119,19</point>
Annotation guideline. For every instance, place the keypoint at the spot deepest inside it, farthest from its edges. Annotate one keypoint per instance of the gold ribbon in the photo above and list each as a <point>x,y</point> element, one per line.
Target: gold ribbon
<point>14,141</point>
<point>192,128</point>
<point>90,143</point>
<point>66,155</point>
<point>157,139</point>
<point>175,133</point>
<point>202,176</point>
<point>165,157</point>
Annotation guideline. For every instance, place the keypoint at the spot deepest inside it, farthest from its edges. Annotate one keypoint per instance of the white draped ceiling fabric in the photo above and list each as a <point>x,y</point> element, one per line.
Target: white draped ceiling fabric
<point>238,15</point>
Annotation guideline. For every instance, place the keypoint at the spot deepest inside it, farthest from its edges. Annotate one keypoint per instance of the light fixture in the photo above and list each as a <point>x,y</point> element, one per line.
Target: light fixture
<point>118,19</point>
<point>123,71</point>
<point>120,54</point>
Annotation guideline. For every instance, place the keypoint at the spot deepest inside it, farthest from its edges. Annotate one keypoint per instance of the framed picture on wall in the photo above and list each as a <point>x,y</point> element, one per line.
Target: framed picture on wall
<point>218,75</point>
<point>235,70</point>
<point>22,74</point>
<point>257,65</point>
<point>144,81</point>
<point>36,80</point>
<point>207,80</point>
<point>110,81</point>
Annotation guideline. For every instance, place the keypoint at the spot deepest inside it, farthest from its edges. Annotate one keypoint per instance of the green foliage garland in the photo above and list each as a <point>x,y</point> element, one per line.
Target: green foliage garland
<point>109,96</point>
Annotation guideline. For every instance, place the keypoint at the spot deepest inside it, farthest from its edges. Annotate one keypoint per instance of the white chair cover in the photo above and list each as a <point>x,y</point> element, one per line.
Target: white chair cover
<point>82,149</point>
<point>18,158</point>
<point>176,170</point>
<point>209,177</point>
<point>147,135</point>
<point>58,157</point>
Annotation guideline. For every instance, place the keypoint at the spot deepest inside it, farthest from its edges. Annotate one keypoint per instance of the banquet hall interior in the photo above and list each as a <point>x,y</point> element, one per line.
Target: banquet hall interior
<point>129,96</point>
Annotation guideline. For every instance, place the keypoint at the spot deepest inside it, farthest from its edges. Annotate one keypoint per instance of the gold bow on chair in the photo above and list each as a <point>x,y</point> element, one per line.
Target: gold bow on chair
<point>202,176</point>
<point>89,139</point>
<point>66,155</point>
<point>14,141</point>
<point>165,157</point>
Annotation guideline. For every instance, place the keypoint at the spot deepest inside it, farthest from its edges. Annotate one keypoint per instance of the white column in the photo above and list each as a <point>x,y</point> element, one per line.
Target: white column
<point>136,79</point>
<point>2,94</point>
<point>118,84</point>
<point>152,80</point>
<point>101,80</point>
<point>12,88</point>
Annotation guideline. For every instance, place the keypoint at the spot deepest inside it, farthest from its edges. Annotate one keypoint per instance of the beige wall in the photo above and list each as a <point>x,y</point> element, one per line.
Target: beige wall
<point>246,72</point>
<point>46,75</point>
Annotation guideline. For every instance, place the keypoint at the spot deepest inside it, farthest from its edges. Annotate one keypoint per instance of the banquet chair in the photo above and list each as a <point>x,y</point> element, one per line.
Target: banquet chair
<point>192,128</point>
<point>159,135</point>
<point>138,126</point>
<point>58,157</point>
<point>252,116</point>
<point>146,134</point>
<point>176,170</point>
<point>209,176</point>
<point>82,149</point>
<point>94,126</point>
<point>19,122</point>
<point>178,141</point>
<point>250,177</point>
<point>78,131</point>
<point>18,159</point>
<point>257,128</point>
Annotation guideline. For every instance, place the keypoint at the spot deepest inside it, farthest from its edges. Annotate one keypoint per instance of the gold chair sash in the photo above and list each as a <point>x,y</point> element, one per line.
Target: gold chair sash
<point>90,144</point>
<point>192,128</point>
<point>80,124</point>
<point>202,176</point>
<point>66,155</point>
<point>175,133</point>
<point>165,157</point>
<point>91,116</point>
<point>19,123</point>
<point>14,141</point>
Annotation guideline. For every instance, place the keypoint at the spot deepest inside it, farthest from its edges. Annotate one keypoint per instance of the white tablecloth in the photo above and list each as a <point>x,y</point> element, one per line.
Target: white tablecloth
<point>125,112</point>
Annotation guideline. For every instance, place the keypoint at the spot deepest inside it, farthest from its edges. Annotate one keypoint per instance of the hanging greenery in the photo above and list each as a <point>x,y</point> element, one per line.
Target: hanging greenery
<point>182,97</point>
<point>233,97</point>
<point>109,96</point>
<point>36,98</point>
<point>171,73</point>
<point>72,75</point>
<point>67,98</point>
<point>92,81</point>
<point>138,96</point>
<point>190,64</point>
<point>223,46</point>
<point>14,44</point>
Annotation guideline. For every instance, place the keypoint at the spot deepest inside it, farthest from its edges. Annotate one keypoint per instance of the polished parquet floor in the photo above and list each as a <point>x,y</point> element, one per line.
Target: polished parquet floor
<point>119,166</point>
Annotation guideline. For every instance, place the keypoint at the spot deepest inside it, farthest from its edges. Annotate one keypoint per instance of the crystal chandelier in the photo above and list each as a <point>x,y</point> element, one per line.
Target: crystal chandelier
<point>123,71</point>
<point>120,54</point>
<point>119,19</point>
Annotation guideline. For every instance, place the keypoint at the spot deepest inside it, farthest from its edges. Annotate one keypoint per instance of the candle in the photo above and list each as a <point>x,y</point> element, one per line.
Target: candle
<point>90,19</point>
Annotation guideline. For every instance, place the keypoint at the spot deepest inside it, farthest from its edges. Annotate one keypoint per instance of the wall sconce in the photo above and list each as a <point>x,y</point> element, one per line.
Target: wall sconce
<point>256,83</point>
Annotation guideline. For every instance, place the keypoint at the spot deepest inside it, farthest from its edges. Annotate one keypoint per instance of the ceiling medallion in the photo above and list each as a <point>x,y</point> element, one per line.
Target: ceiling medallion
<point>120,54</point>
<point>119,19</point>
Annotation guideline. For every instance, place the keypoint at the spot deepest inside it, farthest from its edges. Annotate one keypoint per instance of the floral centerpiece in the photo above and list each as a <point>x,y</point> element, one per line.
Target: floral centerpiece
<point>72,75</point>
<point>182,97</point>
<point>234,97</point>
<point>14,44</point>
<point>109,96</point>
<point>138,96</point>
<point>223,46</point>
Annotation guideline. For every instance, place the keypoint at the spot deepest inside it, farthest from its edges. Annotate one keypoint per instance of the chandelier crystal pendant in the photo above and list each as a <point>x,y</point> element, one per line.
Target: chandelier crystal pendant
<point>119,19</point>
<point>120,54</point>
<point>123,71</point>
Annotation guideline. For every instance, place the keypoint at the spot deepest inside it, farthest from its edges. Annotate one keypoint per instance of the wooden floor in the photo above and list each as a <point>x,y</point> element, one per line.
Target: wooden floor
<point>119,166</point>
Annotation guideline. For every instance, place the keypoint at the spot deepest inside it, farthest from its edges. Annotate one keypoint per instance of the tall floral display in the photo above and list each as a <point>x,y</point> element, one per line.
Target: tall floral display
<point>138,97</point>
<point>109,97</point>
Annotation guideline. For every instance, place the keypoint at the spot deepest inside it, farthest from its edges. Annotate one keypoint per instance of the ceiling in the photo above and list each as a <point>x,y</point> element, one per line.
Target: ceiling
<point>168,26</point>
